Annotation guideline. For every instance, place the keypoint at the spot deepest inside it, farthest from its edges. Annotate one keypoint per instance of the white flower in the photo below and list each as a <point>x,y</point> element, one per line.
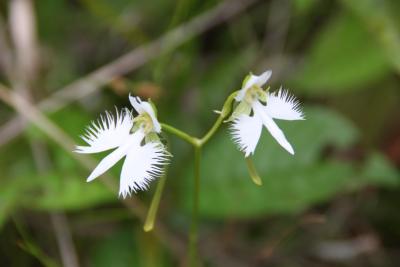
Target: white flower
<point>258,107</point>
<point>134,138</point>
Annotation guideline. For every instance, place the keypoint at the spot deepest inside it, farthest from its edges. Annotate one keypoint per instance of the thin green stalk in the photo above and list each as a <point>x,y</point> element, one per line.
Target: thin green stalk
<point>193,234</point>
<point>212,131</point>
<point>198,144</point>
<point>226,109</point>
<point>190,139</point>
<point>155,203</point>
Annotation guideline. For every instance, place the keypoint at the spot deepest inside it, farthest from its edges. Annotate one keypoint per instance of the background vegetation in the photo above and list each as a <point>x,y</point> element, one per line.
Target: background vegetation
<point>335,203</point>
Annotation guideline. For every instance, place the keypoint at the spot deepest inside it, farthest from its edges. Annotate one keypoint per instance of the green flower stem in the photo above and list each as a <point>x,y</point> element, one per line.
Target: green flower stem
<point>253,172</point>
<point>198,143</point>
<point>155,202</point>
<point>212,131</point>
<point>226,109</point>
<point>190,139</point>
<point>193,235</point>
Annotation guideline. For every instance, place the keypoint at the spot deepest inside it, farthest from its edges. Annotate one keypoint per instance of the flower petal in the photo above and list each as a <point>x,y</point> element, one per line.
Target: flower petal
<point>107,133</point>
<point>253,80</point>
<point>263,78</point>
<point>136,104</point>
<point>144,107</point>
<point>142,165</point>
<point>281,105</point>
<point>110,160</point>
<point>268,122</point>
<point>246,131</point>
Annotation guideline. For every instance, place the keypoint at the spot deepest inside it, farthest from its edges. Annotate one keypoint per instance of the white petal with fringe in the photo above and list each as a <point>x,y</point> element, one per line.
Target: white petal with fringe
<point>107,132</point>
<point>142,165</point>
<point>144,161</point>
<point>246,131</point>
<point>264,107</point>
<point>283,106</point>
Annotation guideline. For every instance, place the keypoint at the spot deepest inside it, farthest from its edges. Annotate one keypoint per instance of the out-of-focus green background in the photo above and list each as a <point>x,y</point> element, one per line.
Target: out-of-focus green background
<point>335,203</point>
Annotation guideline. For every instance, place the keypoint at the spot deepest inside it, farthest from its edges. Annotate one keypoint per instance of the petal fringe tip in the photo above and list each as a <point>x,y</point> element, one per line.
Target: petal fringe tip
<point>246,131</point>
<point>284,106</point>
<point>142,165</point>
<point>107,132</point>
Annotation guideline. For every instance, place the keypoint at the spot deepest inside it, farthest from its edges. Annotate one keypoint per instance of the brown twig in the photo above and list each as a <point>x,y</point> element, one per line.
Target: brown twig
<point>5,51</point>
<point>64,239</point>
<point>23,33</point>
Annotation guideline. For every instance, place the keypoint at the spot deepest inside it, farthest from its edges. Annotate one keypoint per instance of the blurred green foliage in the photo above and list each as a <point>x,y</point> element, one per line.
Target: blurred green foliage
<point>326,67</point>
<point>290,184</point>
<point>341,58</point>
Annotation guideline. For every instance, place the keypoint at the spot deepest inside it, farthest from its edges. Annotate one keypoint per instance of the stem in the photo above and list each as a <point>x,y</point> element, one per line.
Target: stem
<point>152,214</point>
<point>213,129</point>
<point>198,144</point>
<point>193,234</point>
<point>190,139</point>
<point>226,109</point>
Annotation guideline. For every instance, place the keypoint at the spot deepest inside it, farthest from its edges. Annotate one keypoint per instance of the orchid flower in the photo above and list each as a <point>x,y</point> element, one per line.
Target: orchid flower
<point>258,107</point>
<point>135,138</point>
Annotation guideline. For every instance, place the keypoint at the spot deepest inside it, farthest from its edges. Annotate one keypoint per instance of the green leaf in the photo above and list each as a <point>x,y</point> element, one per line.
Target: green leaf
<point>10,193</point>
<point>69,192</point>
<point>378,170</point>
<point>343,57</point>
<point>62,186</point>
<point>290,183</point>
<point>16,166</point>
<point>381,24</point>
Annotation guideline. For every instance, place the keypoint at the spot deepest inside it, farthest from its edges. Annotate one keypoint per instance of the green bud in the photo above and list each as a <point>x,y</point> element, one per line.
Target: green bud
<point>253,172</point>
<point>246,79</point>
<point>262,96</point>
<point>153,106</point>
<point>136,126</point>
<point>242,108</point>
<point>152,138</point>
<point>226,109</point>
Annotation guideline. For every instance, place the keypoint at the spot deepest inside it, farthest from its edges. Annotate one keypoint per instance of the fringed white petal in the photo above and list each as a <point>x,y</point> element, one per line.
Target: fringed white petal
<point>144,107</point>
<point>253,80</point>
<point>283,106</point>
<point>107,132</point>
<point>131,142</point>
<point>142,165</point>
<point>246,131</point>
<point>259,110</point>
